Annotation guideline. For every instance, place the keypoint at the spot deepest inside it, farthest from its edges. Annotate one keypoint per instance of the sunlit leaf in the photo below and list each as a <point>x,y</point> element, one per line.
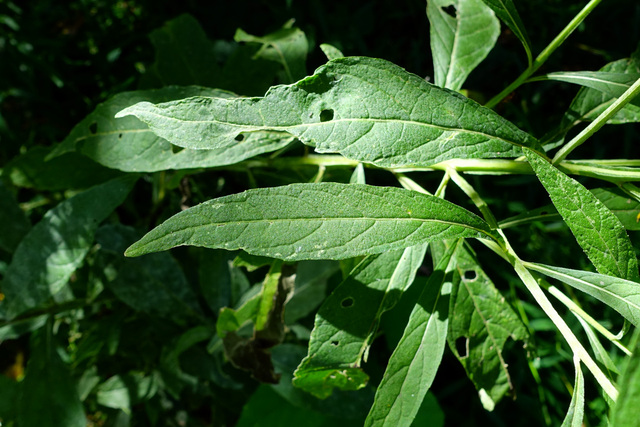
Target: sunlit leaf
<point>626,411</point>
<point>315,221</point>
<point>365,109</point>
<point>462,32</point>
<point>348,320</point>
<point>575,414</point>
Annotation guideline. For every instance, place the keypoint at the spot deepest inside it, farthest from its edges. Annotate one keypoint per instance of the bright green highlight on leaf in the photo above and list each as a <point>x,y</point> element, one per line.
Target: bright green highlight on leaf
<point>626,412</point>
<point>348,320</point>
<point>597,230</point>
<point>415,361</point>
<point>315,221</point>
<point>463,32</point>
<point>365,109</point>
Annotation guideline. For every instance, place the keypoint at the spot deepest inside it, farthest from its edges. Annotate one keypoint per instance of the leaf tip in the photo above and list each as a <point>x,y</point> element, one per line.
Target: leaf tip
<point>132,110</point>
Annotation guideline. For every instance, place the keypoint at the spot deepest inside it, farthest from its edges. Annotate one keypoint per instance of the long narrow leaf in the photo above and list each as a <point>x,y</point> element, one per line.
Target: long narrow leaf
<point>506,11</point>
<point>366,109</point>
<point>463,32</point>
<point>315,221</point>
<point>626,411</point>
<point>612,84</point>
<point>340,341</point>
<point>597,230</point>
<point>619,294</point>
<point>575,414</point>
<point>415,361</point>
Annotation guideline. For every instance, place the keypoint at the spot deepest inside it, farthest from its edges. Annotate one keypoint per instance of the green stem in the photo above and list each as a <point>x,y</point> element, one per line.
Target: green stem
<point>475,197</point>
<point>545,54</point>
<point>600,121</point>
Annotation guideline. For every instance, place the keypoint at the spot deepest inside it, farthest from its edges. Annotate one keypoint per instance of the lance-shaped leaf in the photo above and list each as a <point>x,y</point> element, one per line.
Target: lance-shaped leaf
<point>315,221</point>
<point>129,145</point>
<point>481,322</point>
<point>53,249</point>
<point>625,413</point>
<point>462,33</point>
<point>347,321</point>
<point>597,230</point>
<point>575,414</point>
<point>366,109</point>
<point>415,361</point>
<point>619,294</point>
<point>506,11</point>
<point>612,84</point>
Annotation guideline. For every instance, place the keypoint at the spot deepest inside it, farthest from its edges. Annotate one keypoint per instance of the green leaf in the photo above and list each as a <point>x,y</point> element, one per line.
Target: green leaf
<point>619,294</point>
<point>315,221</point>
<point>49,254</point>
<point>575,414</point>
<point>129,145</point>
<point>365,109</point>
<point>612,84</point>
<point>415,361</point>
<point>123,391</point>
<point>287,47</point>
<point>13,222</point>
<point>310,288</point>
<point>626,412</point>
<point>331,52</point>
<point>506,11</point>
<point>161,287</point>
<point>596,228</point>
<point>48,396</point>
<point>348,320</point>
<point>8,397</point>
<point>481,322</point>
<point>462,33</point>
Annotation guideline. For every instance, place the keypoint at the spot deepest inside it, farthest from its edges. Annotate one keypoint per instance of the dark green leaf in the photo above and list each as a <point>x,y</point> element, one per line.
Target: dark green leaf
<point>506,11</point>
<point>612,84</point>
<point>56,246</point>
<point>310,288</point>
<point>462,33</point>
<point>415,361</point>
<point>348,320</point>
<point>366,109</point>
<point>596,228</point>
<point>123,391</point>
<point>315,221</point>
<point>13,223</point>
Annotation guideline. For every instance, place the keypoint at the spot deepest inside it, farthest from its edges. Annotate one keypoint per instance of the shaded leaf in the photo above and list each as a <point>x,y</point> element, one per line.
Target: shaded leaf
<point>287,47</point>
<point>415,361</point>
<point>315,221</point>
<point>506,11</point>
<point>129,145</point>
<point>619,294</point>
<point>626,412</point>
<point>49,254</point>
<point>575,414</point>
<point>124,390</point>
<point>8,397</point>
<point>462,33</point>
<point>13,222</point>
<point>310,288</point>
<point>48,395</point>
<point>363,108</point>
<point>481,322</point>
<point>596,228</point>
<point>348,320</point>
<point>612,84</point>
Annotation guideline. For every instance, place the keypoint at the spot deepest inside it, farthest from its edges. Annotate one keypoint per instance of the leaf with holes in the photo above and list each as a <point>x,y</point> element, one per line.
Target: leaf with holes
<point>481,322</point>
<point>315,221</point>
<point>463,32</point>
<point>365,109</point>
<point>348,320</point>
<point>597,230</point>
<point>619,294</point>
<point>415,361</point>
<point>506,11</point>
<point>129,145</point>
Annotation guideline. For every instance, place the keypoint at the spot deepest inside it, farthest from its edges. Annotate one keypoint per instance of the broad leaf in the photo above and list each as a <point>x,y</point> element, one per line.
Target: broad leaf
<point>49,254</point>
<point>124,391</point>
<point>13,222</point>
<point>366,109</point>
<point>415,361</point>
<point>619,294</point>
<point>48,395</point>
<point>626,412</point>
<point>475,337</point>
<point>287,46</point>
<point>462,32</point>
<point>596,228</point>
<point>129,145</point>
<point>612,84</point>
<point>506,11</point>
<point>575,414</point>
<point>315,221</point>
<point>348,320</point>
